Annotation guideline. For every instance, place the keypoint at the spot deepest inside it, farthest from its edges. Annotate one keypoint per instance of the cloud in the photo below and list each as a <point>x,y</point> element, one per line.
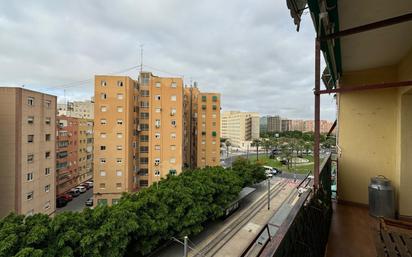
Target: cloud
<point>247,50</point>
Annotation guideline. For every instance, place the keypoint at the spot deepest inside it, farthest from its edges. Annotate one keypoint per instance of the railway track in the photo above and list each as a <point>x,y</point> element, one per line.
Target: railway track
<point>224,236</point>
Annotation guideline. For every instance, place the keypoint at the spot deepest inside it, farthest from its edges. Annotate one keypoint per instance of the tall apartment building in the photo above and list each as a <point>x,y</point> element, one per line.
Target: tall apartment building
<point>286,125</point>
<point>297,125</point>
<point>201,128</point>
<point>240,127</point>
<point>115,137</point>
<point>27,155</point>
<point>274,124</point>
<point>85,150</point>
<point>263,124</point>
<point>77,109</point>
<point>138,133</point>
<point>66,153</point>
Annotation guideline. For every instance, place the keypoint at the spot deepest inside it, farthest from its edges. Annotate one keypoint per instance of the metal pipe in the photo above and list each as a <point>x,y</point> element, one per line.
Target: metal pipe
<point>185,247</point>
<point>317,114</point>
<point>268,193</point>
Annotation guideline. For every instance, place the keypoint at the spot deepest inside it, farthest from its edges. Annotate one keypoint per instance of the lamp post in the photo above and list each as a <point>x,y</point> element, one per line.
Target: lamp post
<point>268,193</point>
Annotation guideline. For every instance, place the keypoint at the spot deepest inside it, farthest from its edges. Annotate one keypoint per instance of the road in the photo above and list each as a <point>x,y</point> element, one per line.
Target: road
<point>77,204</point>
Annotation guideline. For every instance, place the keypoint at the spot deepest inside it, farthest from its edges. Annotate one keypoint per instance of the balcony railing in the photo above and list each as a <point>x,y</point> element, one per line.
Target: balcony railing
<point>306,229</point>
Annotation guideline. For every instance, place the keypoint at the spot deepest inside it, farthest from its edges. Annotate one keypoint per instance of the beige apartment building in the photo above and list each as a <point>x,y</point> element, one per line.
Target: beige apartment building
<point>201,128</point>
<point>77,109</point>
<point>115,137</point>
<point>27,155</point>
<point>240,128</point>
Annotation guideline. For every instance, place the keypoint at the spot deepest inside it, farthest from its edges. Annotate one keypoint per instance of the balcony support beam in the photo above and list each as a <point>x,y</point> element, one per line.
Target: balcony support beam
<point>352,88</point>
<point>317,115</point>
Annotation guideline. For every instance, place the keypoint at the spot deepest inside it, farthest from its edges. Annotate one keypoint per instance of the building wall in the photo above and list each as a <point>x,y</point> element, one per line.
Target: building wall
<point>240,127</point>
<point>115,134</point>
<point>77,109</point>
<point>374,135</point>
<point>14,133</point>
<point>85,150</point>
<point>274,124</point>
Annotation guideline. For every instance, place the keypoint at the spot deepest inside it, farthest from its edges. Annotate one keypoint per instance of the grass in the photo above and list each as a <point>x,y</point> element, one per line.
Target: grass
<point>302,169</point>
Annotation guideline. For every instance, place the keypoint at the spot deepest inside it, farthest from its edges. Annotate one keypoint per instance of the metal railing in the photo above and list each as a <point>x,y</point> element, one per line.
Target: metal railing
<point>306,229</point>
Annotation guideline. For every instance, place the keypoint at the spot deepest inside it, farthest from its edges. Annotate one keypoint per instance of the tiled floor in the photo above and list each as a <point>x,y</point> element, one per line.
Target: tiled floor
<point>351,233</point>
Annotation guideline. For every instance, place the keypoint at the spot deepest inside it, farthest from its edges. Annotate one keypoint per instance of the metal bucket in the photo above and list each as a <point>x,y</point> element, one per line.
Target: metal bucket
<point>381,197</point>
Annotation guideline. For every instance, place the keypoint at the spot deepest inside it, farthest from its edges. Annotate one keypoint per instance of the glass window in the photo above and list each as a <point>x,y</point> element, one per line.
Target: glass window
<point>47,188</point>
<point>172,172</point>
<point>173,85</point>
<point>119,109</point>
<point>119,147</point>
<point>173,122</point>
<point>157,147</point>
<point>157,135</point>
<point>103,173</point>
<point>47,171</point>
<point>103,83</point>
<point>119,173</point>
<point>115,201</point>
<point>48,120</point>
<point>203,98</point>
<point>103,96</point>
<point>120,96</point>
<point>103,109</point>
<point>172,160</point>
<point>173,135</point>
<point>157,161</point>
<point>157,97</point>
<point>119,135</point>
<point>29,176</point>
<point>102,202</point>
<point>157,123</point>
<point>29,195</point>
<point>173,98</point>
<point>120,83</point>
<point>30,119</point>
<point>173,111</point>
<point>158,110</point>
<point>103,135</point>
<point>30,157</point>
<point>157,84</point>
<point>173,147</point>
<point>103,122</point>
<point>30,138</point>
<point>144,183</point>
<point>30,101</point>
<point>214,98</point>
<point>119,122</point>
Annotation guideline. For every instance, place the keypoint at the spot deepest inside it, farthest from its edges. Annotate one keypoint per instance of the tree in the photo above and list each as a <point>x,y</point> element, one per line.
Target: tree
<point>227,144</point>
<point>267,144</point>
<point>256,142</point>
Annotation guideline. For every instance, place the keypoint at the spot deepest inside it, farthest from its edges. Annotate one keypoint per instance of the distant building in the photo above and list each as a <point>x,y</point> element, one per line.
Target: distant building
<point>240,127</point>
<point>27,155</point>
<point>274,124</point>
<point>297,125</point>
<point>308,126</point>
<point>286,125</point>
<point>263,124</point>
<point>77,109</point>
<point>85,150</point>
<point>201,128</point>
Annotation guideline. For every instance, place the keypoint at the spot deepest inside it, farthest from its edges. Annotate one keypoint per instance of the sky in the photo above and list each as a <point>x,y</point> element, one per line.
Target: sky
<point>247,50</point>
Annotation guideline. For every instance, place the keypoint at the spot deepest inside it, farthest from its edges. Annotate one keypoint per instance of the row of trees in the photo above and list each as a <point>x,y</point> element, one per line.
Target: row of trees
<point>139,223</point>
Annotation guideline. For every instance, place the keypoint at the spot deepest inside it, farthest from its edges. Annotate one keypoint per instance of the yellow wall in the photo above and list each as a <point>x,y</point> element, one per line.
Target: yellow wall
<point>375,131</point>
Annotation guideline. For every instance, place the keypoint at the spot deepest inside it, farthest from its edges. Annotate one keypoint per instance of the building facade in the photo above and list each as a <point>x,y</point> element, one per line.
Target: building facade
<point>85,150</point>
<point>274,124</point>
<point>201,128</point>
<point>77,109</point>
<point>240,128</point>
<point>27,136</point>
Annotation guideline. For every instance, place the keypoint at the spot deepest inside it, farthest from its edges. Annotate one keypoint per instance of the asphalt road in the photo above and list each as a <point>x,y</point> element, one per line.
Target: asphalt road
<point>78,203</point>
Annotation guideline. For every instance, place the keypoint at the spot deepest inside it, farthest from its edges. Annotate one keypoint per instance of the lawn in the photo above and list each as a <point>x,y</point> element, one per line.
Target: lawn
<point>303,169</point>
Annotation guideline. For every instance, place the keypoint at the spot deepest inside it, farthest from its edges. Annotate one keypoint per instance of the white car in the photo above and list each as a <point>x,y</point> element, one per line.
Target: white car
<point>82,189</point>
<point>90,183</point>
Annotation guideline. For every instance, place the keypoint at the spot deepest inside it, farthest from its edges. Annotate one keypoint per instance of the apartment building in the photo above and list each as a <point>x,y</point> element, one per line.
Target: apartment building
<point>27,156</point>
<point>66,153</point>
<point>297,125</point>
<point>85,150</point>
<point>160,141</point>
<point>274,124</point>
<point>77,109</point>
<point>286,125</point>
<point>240,128</point>
<point>201,128</point>
<point>115,137</point>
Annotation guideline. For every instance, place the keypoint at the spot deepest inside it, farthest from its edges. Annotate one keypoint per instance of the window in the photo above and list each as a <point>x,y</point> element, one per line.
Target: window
<point>119,160</point>
<point>103,122</point>
<point>172,172</point>
<point>157,173</point>
<point>203,107</point>
<point>120,83</point>
<point>173,85</point>
<point>213,142</point>
<point>144,160</point>
<point>103,96</point>
<point>173,147</point>
<point>47,171</point>
<point>173,111</point>
<point>119,135</point>
<point>47,205</point>
<point>203,142</point>
<point>144,115</point>
<point>158,110</point>
<point>115,201</point>
<point>144,127</point>
<point>157,161</point>
<point>214,107</point>
<point>119,96</point>
<point>203,116</point>
<point>30,119</point>
<point>48,120</point>
<point>144,104</point>
<point>102,160</point>
<point>157,147</point>
<point>157,97</point>
<point>102,202</point>
<point>102,147</point>
<point>47,155</point>
<point>144,149</point>
<point>119,122</point>
<point>103,83</point>
<point>29,196</point>
<point>214,133</point>
<point>119,109</point>
<point>157,123</point>
<point>119,147</point>
<point>203,98</point>
<point>144,138</point>
<point>157,135</point>
<point>48,137</point>
<point>172,160</point>
<point>47,188</point>
<point>103,135</point>
<point>144,183</point>
<point>29,176</point>
<point>143,172</point>
<point>157,84</point>
<point>103,109</point>
<point>214,98</point>
<point>30,158</point>
<point>173,135</point>
<point>144,93</point>
<point>102,186</point>
<point>30,101</point>
<point>173,98</point>
<point>30,138</point>
<point>173,122</point>
<point>214,124</point>
<point>102,173</point>
<point>118,173</point>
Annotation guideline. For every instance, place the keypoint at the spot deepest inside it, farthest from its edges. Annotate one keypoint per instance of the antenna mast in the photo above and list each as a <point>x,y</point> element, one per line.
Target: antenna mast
<point>141,58</point>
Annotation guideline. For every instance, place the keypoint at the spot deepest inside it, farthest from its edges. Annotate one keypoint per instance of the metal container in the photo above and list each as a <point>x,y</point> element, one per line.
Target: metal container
<point>381,197</point>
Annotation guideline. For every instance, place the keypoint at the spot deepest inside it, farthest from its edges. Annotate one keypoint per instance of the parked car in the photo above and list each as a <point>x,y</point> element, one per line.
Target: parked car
<point>74,192</point>
<point>81,189</point>
<point>60,202</point>
<point>268,171</point>
<point>276,171</point>
<point>89,202</point>
<point>90,183</point>
<point>85,185</point>
<point>67,197</point>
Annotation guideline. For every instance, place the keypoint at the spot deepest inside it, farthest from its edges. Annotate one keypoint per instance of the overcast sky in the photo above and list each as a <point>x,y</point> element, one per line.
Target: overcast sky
<point>248,50</point>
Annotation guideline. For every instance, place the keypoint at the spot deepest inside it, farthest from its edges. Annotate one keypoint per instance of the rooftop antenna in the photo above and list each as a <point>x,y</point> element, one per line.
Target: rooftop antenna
<point>141,58</point>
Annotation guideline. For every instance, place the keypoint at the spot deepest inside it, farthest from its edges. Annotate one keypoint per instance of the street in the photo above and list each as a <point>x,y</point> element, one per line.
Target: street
<point>78,203</point>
